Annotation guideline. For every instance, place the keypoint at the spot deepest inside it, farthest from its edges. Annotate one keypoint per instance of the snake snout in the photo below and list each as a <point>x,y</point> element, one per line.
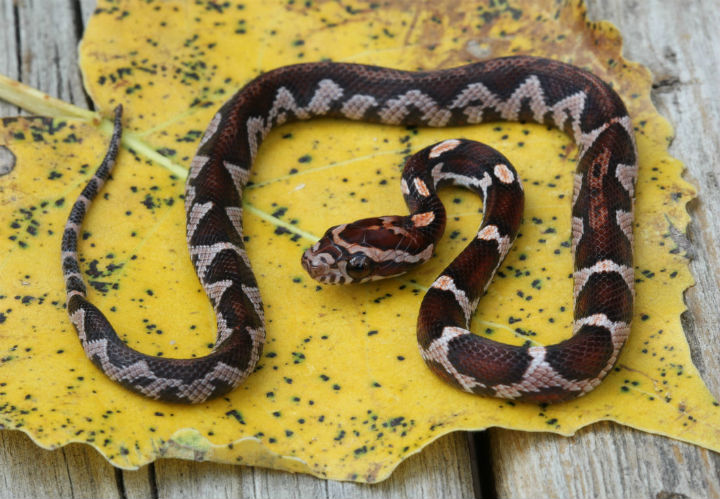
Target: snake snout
<point>317,265</point>
<point>316,268</point>
<point>322,262</point>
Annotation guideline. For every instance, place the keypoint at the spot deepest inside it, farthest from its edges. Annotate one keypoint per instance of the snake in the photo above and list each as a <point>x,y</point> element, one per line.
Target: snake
<point>511,89</point>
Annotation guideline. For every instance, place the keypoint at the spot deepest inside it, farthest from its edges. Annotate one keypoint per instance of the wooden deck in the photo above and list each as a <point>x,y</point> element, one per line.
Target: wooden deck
<point>679,41</point>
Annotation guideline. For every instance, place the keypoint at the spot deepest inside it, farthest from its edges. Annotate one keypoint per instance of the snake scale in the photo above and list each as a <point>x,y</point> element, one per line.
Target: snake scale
<point>519,88</point>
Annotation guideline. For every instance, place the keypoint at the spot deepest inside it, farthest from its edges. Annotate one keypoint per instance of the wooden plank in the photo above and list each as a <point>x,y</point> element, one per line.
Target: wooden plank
<point>604,460</point>
<point>441,470</point>
<point>138,484</point>
<point>185,479</point>
<point>680,43</point>
<point>87,7</point>
<point>73,471</point>
<point>49,57</point>
<point>9,60</point>
<point>46,59</point>
<point>77,471</point>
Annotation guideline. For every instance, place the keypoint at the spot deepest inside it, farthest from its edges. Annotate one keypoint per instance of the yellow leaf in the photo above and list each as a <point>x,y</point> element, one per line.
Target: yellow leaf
<point>341,391</point>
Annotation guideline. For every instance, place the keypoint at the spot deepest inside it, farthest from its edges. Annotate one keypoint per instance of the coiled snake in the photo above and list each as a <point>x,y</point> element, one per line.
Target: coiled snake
<point>505,89</point>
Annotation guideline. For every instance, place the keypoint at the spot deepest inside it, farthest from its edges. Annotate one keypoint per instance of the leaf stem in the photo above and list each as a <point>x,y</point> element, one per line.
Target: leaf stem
<point>281,223</point>
<point>41,104</point>
<point>131,140</point>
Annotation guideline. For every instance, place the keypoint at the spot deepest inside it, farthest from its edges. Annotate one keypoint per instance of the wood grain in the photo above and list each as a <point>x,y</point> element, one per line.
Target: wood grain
<point>679,42</point>
<point>441,470</point>
<point>46,59</point>
<point>73,471</point>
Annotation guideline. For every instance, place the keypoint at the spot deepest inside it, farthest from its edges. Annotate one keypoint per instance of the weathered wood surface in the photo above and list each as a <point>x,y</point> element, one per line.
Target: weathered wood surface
<point>678,40</point>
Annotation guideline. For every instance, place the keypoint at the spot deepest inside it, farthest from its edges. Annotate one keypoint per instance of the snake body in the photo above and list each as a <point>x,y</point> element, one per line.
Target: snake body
<point>504,89</point>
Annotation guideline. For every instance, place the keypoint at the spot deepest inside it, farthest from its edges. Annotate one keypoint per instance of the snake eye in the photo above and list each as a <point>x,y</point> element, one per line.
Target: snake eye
<point>359,266</point>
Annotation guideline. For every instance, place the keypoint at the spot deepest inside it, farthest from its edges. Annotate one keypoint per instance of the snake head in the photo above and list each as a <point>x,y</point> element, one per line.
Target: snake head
<point>365,250</point>
<point>332,260</point>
